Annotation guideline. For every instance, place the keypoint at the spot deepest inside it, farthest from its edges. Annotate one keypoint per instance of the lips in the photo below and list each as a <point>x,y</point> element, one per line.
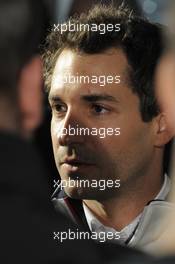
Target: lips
<point>73,165</point>
<point>75,162</point>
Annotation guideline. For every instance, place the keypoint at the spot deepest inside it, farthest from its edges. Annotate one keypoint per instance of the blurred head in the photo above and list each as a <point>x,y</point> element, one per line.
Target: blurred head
<point>165,89</point>
<point>165,74</point>
<point>131,53</point>
<point>21,30</point>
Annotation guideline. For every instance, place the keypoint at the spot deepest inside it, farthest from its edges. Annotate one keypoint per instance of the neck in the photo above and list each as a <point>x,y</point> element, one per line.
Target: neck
<point>119,211</point>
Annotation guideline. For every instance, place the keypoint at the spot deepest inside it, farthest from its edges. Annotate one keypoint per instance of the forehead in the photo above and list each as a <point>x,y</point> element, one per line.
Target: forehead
<point>112,62</point>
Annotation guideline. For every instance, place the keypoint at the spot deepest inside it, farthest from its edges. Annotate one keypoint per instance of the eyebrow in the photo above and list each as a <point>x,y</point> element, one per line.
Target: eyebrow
<point>88,98</point>
<point>99,97</point>
<point>54,98</point>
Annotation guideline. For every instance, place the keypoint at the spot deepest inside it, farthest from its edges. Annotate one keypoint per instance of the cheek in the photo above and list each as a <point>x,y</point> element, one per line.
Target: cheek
<point>131,152</point>
<point>133,139</point>
<point>107,150</point>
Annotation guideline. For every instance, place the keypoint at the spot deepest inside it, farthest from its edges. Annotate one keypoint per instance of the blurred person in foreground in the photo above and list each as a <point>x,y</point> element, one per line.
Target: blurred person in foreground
<point>165,87</point>
<point>27,221</point>
<point>135,157</point>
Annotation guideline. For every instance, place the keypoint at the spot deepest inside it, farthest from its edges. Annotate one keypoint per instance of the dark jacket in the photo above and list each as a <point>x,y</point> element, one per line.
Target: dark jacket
<point>71,208</point>
<point>27,219</point>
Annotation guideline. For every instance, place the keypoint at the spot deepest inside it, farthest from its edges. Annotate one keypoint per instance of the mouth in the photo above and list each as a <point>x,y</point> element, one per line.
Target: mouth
<point>74,165</point>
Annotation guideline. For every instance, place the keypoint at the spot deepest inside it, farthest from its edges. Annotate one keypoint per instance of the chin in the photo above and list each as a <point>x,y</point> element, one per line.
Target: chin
<point>75,193</point>
<point>85,194</point>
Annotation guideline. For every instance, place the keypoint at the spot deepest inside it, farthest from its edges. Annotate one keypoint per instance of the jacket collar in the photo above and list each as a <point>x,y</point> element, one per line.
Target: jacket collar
<point>72,208</point>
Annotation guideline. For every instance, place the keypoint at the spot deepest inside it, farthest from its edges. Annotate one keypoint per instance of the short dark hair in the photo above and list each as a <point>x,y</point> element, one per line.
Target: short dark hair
<point>22,28</point>
<point>140,40</point>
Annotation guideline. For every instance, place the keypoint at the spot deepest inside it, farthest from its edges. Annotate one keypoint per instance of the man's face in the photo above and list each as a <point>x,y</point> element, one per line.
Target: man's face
<point>127,156</point>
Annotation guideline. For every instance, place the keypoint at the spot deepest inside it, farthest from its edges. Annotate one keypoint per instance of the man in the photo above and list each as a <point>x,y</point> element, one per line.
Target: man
<point>29,227</point>
<point>108,132</point>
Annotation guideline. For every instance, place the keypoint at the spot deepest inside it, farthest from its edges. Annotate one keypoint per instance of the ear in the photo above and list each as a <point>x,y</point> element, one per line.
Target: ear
<point>163,132</point>
<point>30,95</point>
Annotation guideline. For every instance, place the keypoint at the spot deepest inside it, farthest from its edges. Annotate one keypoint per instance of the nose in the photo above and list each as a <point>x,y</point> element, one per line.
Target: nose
<point>70,132</point>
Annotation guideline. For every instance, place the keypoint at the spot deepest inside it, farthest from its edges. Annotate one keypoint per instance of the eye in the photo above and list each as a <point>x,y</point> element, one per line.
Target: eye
<point>59,108</point>
<point>99,109</point>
